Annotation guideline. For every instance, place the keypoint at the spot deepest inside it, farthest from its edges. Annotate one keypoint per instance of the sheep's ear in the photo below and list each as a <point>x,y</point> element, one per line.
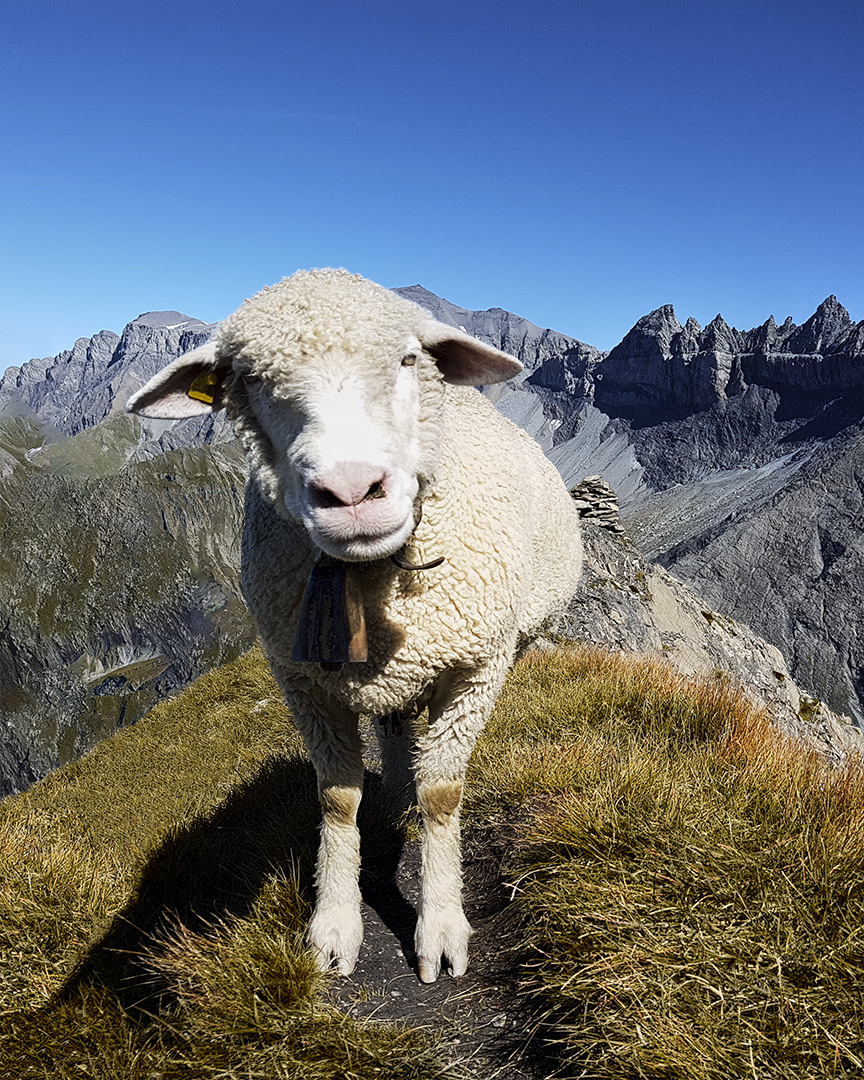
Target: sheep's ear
<point>463,359</point>
<point>190,386</point>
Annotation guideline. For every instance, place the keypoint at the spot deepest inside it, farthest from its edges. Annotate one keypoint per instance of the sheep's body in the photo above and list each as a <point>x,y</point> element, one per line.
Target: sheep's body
<point>478,492</point>
<point>507,530</point>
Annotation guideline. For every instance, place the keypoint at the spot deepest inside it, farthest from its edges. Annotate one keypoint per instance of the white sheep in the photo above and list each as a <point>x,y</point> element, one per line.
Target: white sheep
<point>366,441</point>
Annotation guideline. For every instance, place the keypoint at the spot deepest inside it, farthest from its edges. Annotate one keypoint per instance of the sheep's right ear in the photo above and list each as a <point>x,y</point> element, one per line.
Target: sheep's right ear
<point>190,386</point>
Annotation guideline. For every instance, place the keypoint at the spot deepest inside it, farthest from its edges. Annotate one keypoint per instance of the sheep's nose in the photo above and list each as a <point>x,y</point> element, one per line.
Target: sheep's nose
<point>348,484</point>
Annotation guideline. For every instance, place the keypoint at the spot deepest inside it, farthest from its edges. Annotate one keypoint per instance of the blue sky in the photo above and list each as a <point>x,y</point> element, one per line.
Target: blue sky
<point>578,163</point>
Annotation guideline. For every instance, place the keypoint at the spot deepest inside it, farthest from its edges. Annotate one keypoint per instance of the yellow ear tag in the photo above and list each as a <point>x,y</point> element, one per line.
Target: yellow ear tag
<point>202,386</point>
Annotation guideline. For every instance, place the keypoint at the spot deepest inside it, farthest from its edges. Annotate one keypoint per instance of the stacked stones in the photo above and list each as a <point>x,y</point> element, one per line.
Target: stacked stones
<point>597,502</point>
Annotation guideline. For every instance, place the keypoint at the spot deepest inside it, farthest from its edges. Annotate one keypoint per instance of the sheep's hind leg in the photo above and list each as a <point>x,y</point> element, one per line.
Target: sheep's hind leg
<point>335,930</point>
<point>395,734</point>
<point>456,718</point>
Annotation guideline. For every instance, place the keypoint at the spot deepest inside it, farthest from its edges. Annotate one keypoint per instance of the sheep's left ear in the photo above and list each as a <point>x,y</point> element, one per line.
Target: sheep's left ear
<point>190,386</point>
<point>463,359</point>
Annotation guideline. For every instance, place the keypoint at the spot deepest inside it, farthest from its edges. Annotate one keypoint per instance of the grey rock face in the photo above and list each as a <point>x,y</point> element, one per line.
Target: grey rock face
<point>82,386</point>
<point>663,372</point>
<point>786,558</point>
<point>741,497</point>
<point>626,602</point>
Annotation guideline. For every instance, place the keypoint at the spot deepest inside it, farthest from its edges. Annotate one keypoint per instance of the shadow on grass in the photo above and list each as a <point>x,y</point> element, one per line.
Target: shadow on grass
<point>216,866</point>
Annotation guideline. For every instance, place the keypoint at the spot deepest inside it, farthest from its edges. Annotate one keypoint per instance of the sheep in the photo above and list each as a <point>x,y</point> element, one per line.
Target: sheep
<point>403,543</point>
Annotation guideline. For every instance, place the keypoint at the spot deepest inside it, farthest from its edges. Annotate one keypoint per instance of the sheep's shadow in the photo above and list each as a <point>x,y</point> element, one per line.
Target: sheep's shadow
<point>216,867</point>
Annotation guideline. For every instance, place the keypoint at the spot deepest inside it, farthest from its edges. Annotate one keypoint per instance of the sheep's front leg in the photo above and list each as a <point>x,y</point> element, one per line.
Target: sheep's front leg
<point>336,928</point>
<point>456,718</point>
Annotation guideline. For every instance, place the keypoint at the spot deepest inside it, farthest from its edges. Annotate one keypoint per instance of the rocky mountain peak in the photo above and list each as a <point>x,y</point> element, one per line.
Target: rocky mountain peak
<point>720,336</point>
<point>687,342</point>
<point>825,328</point>
<point>170,320</point>
<point>662,371</point>
<point>653,333</point>
<point>81,386</point>
<point>768,337</point>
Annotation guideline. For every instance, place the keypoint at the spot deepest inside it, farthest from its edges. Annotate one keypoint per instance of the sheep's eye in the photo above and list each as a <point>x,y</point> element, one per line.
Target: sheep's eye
<point>409,359</point>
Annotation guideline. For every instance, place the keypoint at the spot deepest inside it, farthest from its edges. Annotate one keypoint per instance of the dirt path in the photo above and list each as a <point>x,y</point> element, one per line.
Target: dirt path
<point>481,1017</point>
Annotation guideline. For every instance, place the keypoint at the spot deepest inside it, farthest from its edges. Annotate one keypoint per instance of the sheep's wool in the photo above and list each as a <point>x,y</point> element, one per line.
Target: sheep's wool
<point>496,510</point>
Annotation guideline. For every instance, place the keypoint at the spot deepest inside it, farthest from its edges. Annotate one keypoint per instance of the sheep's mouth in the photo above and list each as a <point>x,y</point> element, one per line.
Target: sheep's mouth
<point>360,544</point>
<point>374,551</point>
<point>373,527</point>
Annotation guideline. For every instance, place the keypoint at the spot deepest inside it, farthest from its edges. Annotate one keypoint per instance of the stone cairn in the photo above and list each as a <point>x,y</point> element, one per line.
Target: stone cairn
<point>597,502</point>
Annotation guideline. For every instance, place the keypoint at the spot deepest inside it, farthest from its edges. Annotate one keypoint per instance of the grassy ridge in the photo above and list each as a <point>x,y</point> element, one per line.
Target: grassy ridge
<point>153,897</point>
<point>692,884</point>
<point>691,890</point>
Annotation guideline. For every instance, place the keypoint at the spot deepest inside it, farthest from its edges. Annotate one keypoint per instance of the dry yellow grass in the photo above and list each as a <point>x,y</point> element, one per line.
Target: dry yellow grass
<point>692,883</point>
<point>153,898</point>
<point>691,889</point>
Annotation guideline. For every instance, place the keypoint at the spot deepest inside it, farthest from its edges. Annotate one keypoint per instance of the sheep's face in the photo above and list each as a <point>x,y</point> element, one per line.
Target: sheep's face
<point>344,440</point>
<point>336,387</point>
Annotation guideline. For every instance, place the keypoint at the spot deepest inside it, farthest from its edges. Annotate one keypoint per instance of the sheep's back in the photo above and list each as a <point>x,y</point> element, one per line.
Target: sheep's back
<point>523,513</point>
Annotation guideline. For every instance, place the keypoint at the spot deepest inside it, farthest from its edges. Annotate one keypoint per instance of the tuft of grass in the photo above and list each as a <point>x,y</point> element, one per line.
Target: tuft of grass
<point>692,884</point>
<point>153,899</point>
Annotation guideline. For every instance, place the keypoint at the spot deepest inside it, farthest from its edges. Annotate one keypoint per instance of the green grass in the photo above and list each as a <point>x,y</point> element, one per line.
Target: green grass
<point>153,897</point>
<point>691,885</point>
<point>690,890</point>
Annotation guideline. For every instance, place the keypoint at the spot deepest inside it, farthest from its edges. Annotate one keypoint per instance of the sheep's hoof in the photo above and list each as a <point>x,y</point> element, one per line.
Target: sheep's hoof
<point>428,970</point>
<point>459,967</point>
<point>327,960</point>
<point>343,965</point>
<point>335,939</point>
<point>442,936</point>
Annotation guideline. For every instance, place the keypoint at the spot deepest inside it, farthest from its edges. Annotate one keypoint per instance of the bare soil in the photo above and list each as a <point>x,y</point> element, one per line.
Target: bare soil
<point>483,1018</point>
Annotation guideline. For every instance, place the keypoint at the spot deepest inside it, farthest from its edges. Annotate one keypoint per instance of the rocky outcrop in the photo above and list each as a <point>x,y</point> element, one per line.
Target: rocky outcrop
<point>597,502</point>
<point>626,602</point>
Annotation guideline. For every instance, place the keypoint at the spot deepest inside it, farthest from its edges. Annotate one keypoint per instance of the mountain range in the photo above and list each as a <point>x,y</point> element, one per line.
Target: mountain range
<point>737,457</point>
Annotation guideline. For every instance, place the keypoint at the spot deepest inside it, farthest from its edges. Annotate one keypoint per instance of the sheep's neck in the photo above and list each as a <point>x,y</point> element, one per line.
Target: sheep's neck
<point>332,628</point>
